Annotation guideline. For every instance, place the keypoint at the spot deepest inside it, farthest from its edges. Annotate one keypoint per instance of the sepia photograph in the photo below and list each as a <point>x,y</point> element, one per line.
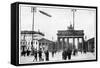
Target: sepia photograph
<point>56,34</point>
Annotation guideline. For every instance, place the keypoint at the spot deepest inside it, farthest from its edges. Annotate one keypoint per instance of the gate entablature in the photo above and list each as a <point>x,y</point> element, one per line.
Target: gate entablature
<point>68,33</point>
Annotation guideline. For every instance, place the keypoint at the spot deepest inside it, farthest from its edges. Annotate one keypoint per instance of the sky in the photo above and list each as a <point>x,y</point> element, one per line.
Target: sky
<point>62,17</point>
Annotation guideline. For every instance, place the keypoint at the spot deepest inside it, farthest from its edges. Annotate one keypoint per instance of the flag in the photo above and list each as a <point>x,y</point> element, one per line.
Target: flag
<point>45,13</point>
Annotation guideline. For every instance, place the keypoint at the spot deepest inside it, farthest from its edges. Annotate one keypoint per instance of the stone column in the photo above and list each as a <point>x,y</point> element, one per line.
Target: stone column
<point>67,41</point>
<point>83,47</point>
<point>67,44</point>
<point>74,43</point>
<point>62,43</point>
<point>78,43</point>
<point>59,43</point>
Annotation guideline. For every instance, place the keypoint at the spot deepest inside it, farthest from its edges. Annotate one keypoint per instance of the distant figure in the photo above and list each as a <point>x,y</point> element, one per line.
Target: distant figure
<point>23,53</point>
<point>69,52</point>
<point>40,55</point>
<point>47,55</point>
<point>53,53</point>
<point>28,52</point>
<point>35,55</point>
<point>64,55</point>
<point>85,51</point>
<point>32,50</point>
<point>75,52</point>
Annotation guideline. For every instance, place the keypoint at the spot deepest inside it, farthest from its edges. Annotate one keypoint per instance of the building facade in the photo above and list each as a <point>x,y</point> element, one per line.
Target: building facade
<point>29,40</point>
<point>46,44</point>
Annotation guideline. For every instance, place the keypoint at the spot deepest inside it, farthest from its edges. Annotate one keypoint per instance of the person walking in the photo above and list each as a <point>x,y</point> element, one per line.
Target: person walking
<point>53,53</point>
<point>35,55</point>
<point>40,55</point>
<point>47,55</point>
<point>28,51</point>
<point>69,52</point>
<point>64,55</point>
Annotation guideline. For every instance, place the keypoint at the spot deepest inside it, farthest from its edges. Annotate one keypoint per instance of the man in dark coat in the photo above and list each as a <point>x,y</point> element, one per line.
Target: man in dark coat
<point>64,55</point>
<point>23,53</point>
<point>75,52</point>
<point>40,55</point>
<point>47,55</point>
<point>35,55</point>
<point>28,52</point>
<point>69,52</point>
<point>53,53</point>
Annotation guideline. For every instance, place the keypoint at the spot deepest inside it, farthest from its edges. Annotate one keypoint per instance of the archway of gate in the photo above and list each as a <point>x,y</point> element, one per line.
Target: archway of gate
<point>71,38</point>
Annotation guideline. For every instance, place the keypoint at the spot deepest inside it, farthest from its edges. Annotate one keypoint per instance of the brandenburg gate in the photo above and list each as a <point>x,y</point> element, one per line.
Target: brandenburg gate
<point>64,36</point>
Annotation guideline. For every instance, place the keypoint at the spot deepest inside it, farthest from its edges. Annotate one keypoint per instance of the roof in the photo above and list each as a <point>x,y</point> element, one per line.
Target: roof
<point>32,32</point>
<point>91,40</point>
<point>70,33</point>
<point>45,40</point>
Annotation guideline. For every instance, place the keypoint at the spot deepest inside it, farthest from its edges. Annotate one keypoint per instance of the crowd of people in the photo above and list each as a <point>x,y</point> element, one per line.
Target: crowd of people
<point>37,54</point>
<point>40,55</point>
<point>66,54</point>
